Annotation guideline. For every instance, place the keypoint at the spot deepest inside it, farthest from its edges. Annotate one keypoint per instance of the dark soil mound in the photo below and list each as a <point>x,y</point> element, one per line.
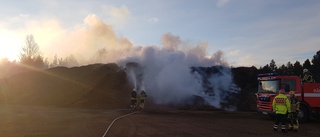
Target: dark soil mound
<point>99,86</point>
<point>92,86</point>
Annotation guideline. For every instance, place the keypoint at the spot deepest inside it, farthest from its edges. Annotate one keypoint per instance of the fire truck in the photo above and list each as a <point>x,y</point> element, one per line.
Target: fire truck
<point>308,94</point>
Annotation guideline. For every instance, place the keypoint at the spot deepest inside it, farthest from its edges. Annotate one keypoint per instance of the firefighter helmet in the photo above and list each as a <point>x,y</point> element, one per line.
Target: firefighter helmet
<point>282,91</point>
<point>291,92</point>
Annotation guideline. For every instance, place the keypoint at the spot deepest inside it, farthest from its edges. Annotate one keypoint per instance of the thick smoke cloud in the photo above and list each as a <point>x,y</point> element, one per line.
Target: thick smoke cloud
<point>94,41</point>
<point>163,71</point>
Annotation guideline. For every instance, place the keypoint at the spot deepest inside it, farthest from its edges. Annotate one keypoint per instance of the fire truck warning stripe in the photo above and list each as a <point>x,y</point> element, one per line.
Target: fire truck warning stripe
<point>307,95</point>
<point>312,95</point>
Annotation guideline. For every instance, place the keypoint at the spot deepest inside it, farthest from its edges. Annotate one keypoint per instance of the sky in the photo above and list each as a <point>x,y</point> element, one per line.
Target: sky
<point>247,32</point>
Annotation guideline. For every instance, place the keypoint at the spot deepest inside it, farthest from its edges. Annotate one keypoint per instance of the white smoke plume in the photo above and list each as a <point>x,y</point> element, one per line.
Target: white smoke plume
<point>162,71</point>
<point>93,41</point>
<point>165,73</point>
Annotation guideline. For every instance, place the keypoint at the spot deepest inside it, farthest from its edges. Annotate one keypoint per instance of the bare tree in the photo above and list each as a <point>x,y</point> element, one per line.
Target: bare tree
<point>72,61</point>
<point>101,55</point>
<point>54,62</point>
<point>31,55</point>
<point>31,49</point>
<point>69,61</point>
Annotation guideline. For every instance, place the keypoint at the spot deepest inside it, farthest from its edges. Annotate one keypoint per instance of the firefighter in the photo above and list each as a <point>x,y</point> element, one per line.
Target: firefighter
<point>281,106</point>
<point>143,96</point>
<point>293,116</point>
<point>133,99</point>
<point>306,76</point>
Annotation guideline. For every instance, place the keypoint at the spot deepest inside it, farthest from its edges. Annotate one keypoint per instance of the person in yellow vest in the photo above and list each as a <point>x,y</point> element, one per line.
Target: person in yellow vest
<point>281,107</point>
<point>293,116</point>
<point>143,96</point>
<point>133,99</point>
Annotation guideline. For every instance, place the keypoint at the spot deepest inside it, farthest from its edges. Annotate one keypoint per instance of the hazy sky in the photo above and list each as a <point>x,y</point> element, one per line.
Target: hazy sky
<point>248,32</point>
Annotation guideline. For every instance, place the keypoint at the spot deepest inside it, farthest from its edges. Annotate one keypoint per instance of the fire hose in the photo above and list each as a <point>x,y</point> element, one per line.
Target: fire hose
<point>105,133</point>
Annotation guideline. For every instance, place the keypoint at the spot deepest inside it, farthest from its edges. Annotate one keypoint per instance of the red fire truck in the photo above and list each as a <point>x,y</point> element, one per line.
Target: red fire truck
<point>308,94</point>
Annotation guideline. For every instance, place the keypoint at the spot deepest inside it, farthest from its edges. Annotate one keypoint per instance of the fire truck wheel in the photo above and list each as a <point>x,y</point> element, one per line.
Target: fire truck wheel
<point>304,114</point>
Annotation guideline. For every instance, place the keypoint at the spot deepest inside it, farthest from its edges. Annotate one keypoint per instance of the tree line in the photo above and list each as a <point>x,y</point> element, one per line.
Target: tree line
<point>32,58</point>
<point>296,68</point>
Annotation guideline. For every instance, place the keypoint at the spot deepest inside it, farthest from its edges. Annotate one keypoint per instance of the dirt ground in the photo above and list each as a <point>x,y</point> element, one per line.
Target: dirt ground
<point>26,121</point>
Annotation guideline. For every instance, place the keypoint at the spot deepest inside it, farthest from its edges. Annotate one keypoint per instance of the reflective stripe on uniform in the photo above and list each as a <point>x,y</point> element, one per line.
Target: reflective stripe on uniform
<point>283,127</point>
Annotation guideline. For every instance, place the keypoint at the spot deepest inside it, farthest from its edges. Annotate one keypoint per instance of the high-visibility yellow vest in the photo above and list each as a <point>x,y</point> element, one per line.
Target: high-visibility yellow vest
<point>281,104</point>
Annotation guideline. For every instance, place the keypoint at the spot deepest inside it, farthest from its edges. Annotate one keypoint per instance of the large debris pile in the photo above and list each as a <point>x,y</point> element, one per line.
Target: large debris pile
<point>92,86</point>
<point>107,86</point>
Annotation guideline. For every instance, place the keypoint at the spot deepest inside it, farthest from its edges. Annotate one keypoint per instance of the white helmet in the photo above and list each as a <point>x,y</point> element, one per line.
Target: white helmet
<point>305,70</point>
<point>282,91</point>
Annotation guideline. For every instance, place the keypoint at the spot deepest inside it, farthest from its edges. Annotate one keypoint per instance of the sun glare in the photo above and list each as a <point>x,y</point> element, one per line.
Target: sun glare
<point>9,47</point>
<point>10,57</point>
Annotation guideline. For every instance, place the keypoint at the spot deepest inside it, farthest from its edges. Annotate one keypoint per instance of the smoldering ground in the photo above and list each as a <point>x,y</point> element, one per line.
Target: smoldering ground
<point>172,76</point>
<point>168,79</point>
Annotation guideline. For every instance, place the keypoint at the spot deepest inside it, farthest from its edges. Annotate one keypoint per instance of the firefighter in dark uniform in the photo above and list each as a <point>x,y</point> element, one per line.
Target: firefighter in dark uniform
<point>281,106</point>
<point>133,99</point>
<point>307,76</point>
<point>143,96</point>
<point>293,116</point>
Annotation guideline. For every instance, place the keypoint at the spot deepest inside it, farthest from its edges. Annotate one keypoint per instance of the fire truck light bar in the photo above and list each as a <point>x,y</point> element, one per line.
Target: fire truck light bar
<point>267,74</point>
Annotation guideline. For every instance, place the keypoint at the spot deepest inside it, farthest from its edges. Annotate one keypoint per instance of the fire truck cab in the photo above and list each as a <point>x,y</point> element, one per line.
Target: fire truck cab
<point>308,94</point>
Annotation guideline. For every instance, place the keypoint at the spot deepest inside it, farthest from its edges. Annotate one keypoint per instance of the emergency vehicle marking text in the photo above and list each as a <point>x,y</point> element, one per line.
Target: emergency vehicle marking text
<point>316,90</point>
<point>280,100</point>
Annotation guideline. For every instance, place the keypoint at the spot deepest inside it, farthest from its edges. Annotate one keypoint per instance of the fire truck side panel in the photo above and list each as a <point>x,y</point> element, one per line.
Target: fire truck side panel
<point>308,94</point>
<point>312,94</point>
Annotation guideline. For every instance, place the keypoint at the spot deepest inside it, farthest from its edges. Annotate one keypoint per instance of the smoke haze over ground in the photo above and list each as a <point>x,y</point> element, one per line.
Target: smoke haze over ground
<point>164,72</point>
<point>167,78</point>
